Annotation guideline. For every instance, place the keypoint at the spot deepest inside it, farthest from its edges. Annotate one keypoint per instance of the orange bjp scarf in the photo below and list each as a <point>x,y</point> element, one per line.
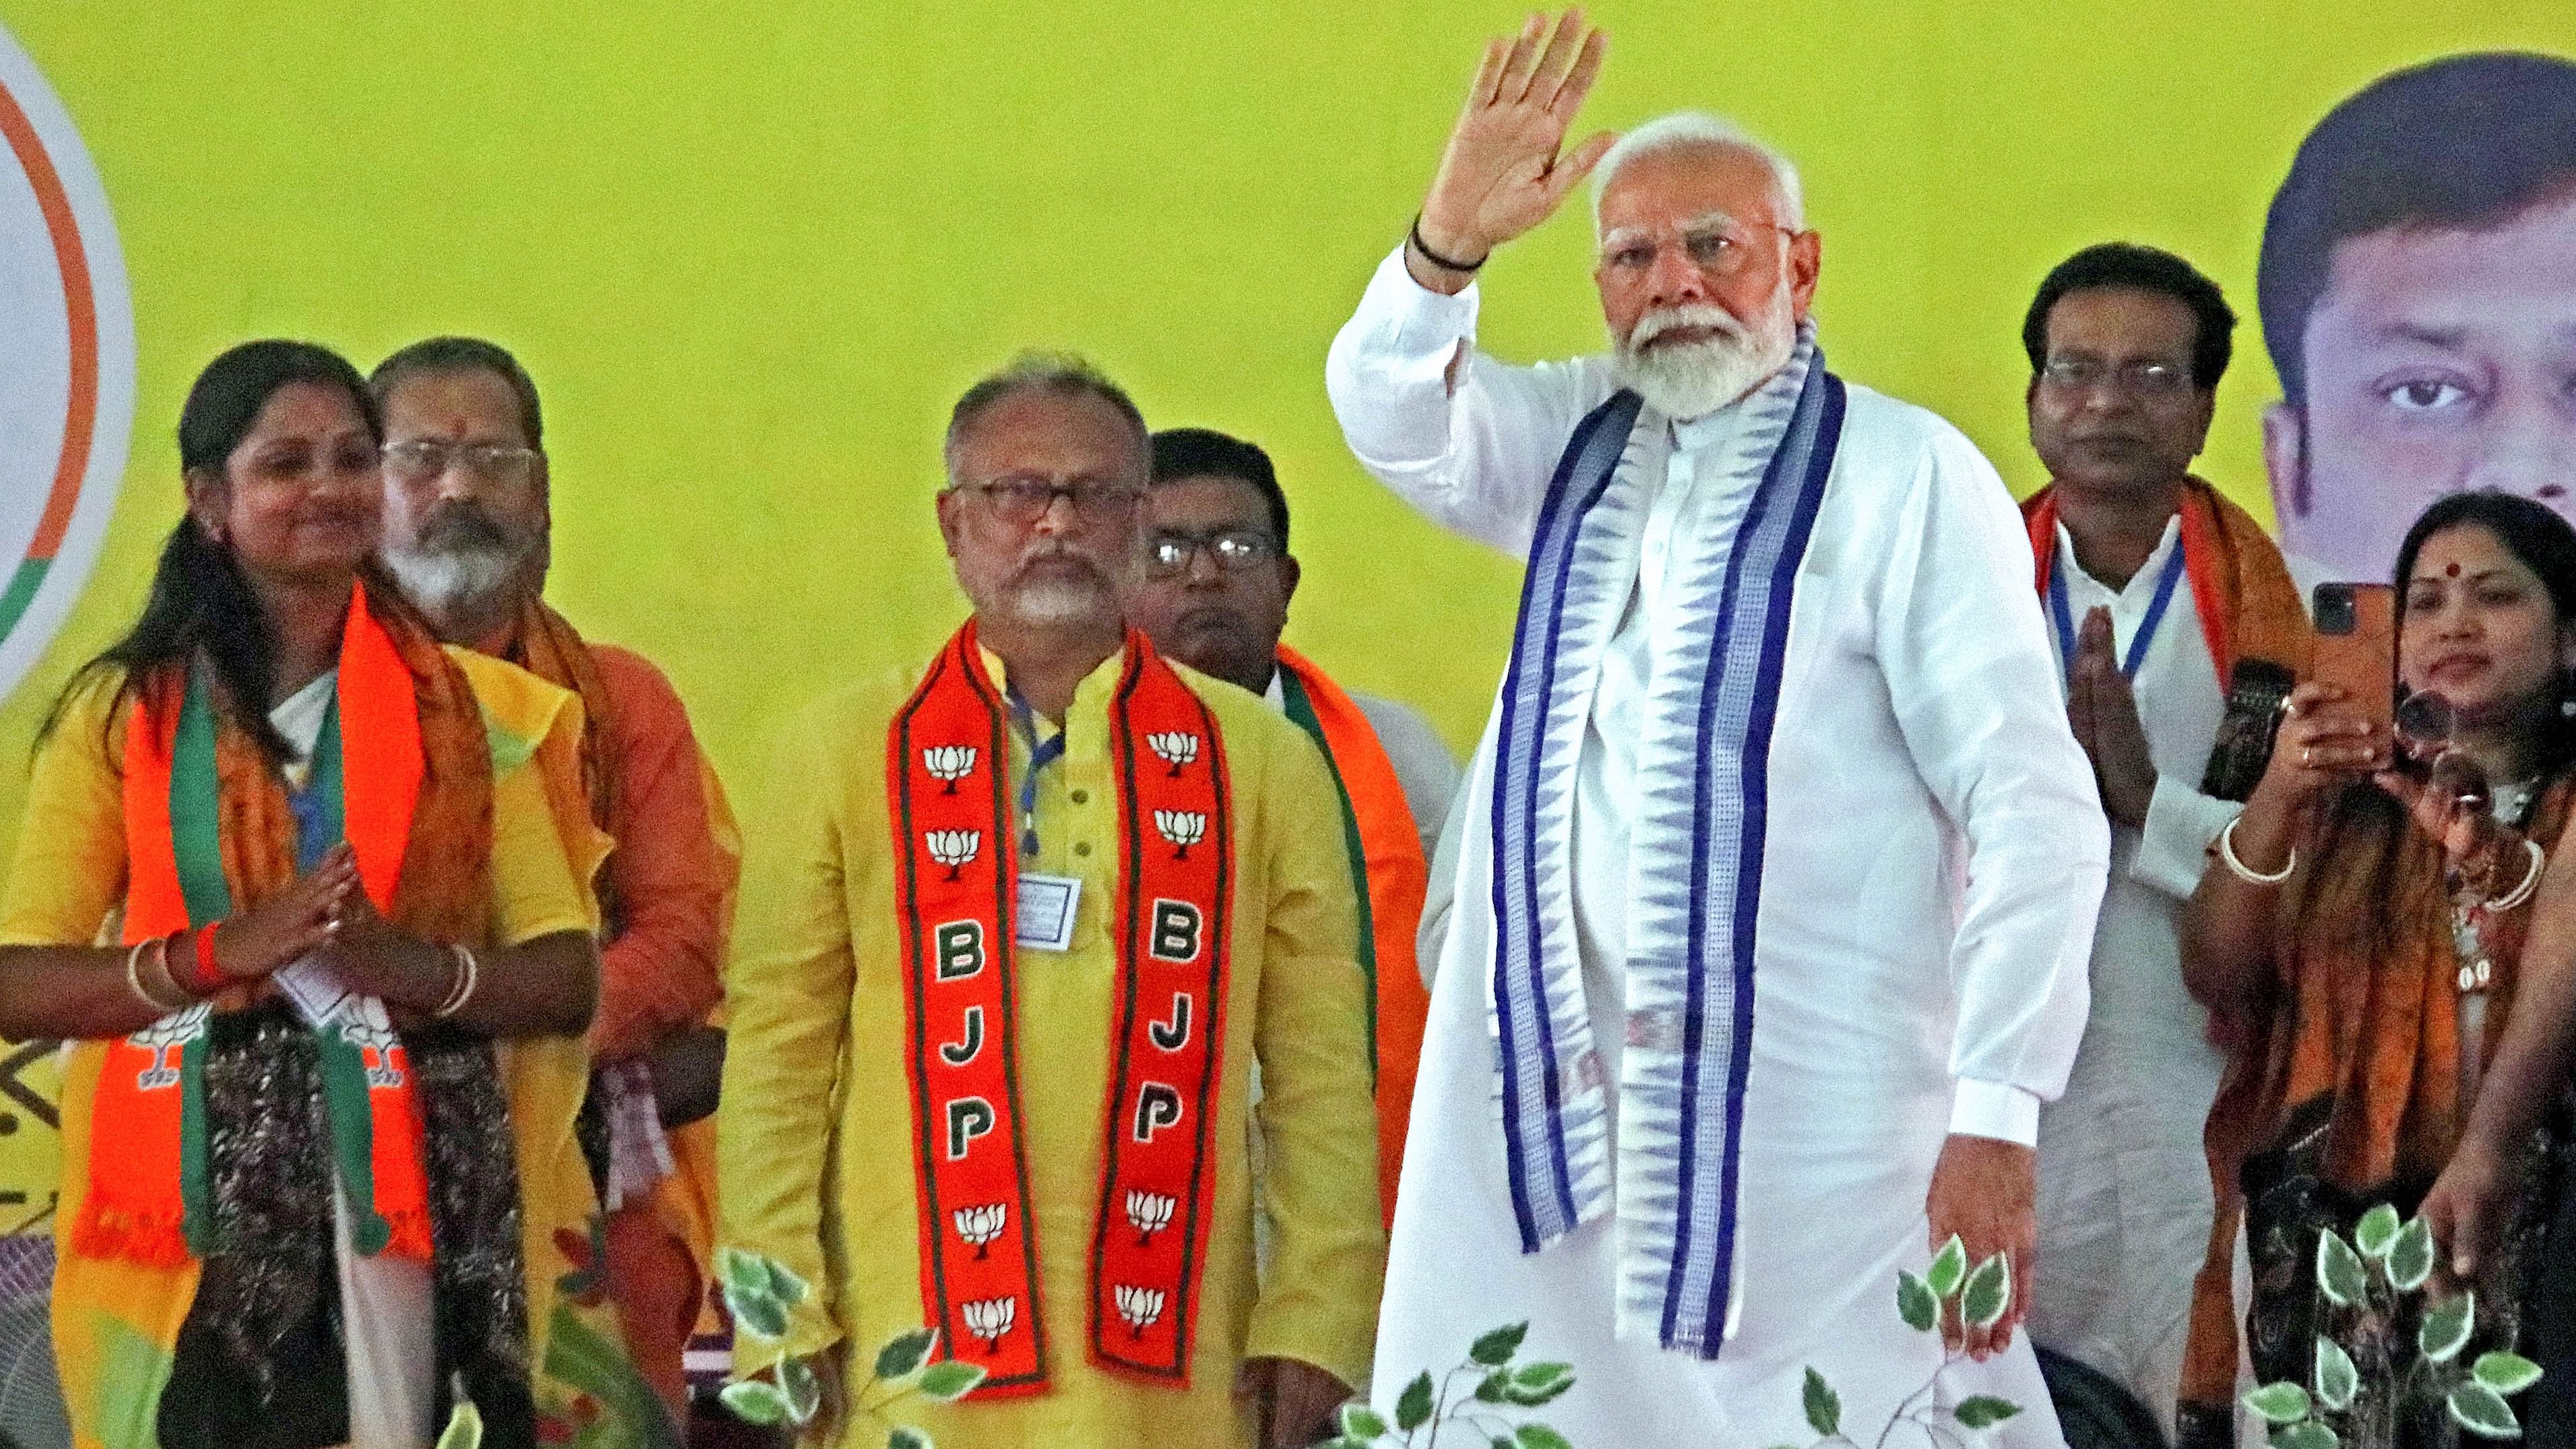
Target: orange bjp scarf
<point>2248,605</point>
<point>404,772</point>
<point>956,892</point>
<point>1391,877</point>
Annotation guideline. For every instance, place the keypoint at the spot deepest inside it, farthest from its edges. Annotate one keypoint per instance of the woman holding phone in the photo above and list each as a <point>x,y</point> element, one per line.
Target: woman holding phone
<point>2360,942</point>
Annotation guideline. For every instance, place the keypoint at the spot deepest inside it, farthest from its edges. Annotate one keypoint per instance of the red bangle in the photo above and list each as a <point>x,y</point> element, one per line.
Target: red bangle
<point>205,978</point>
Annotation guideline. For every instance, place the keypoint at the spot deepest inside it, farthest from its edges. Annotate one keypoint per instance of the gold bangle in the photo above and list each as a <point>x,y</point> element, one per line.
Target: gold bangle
<point>143,993</point>
<point>2529,884</point>
<point>2237,867</point>
<point>469,974</point>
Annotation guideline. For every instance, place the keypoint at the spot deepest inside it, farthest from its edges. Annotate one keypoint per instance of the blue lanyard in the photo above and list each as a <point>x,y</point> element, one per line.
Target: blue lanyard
<point>2064,615</point>
<point>1042,753</point>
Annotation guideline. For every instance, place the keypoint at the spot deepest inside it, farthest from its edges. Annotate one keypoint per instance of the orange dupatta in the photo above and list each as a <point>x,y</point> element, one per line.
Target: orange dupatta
<point>1392,876</point>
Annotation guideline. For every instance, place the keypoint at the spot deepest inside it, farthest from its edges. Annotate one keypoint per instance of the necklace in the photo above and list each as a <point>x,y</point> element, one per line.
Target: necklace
<point>2511,803</point>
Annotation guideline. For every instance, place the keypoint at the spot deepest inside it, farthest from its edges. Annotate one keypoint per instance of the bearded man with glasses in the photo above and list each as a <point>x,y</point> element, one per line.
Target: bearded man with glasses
<point>1213,593</point>
<point>1022,926</point>
<point>468,521</point>
<point>1779,860</point>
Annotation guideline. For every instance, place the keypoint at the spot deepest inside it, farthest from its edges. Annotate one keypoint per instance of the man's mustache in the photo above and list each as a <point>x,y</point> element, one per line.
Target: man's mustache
<point>1672,319</point>
<point>1083,561</point>
<point>463,527</point>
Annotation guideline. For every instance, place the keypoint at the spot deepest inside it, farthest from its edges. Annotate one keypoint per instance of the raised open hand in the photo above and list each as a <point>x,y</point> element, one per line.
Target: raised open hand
<point>1503,172</point>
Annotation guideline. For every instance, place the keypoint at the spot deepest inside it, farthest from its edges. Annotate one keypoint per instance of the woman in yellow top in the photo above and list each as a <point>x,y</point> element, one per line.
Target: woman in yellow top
<point>319,1180</point>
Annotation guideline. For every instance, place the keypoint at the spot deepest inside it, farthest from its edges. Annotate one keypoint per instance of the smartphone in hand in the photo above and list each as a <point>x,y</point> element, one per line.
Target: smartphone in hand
<point>2357,652</point>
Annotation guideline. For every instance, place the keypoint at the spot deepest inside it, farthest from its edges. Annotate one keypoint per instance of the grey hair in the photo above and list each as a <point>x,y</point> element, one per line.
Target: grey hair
<point>1059,374</point>
<point>1689,130</point>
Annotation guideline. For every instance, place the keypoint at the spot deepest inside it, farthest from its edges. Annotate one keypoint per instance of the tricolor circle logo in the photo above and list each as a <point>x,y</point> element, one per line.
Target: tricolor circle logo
<point>66,364</point>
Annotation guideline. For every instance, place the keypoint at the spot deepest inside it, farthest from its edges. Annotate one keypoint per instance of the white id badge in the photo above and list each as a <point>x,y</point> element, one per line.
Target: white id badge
<point>314,988</point>
<point>1045,913</point>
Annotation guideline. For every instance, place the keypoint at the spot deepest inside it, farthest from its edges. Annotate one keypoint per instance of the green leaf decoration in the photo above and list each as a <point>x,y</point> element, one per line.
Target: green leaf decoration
<point>905,1352</point>
<point>2281,1403</point>
<point>2446,1328</point>
<point>1988,1294</point>
<point>1984,1411</point>
<point>1495,1388</point>
<point>786,1287</point>
<point>464,1427</point>
<point>2376,1233</point>
<point>1540,1436</point>
<point>2483,1412</point>
<point>2410,1260</point>
<point>1536,1398</point>
<point>1496,1348</point>
<point>738,1269</point>
<point>2506,1373</point>
<point>2337,1377</point>
<point>2307,1434</point>
<point>1542,1375</point>
<point>757,1313</point>
<point>1413,1406</point>
<point>755,1402</point>
<point>803,1388</point>
<point>1361,1422</point>
<point>948,1381</point>
<point>1824,1406</point>
<point>1949,1268</point>
<point>2339,1271</point>
<point>1917,1304</point>
<point>909,1439</point>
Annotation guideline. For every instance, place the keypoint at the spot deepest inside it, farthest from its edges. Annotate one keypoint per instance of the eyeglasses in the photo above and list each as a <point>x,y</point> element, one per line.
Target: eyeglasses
<point>1026,499</point>
<point>1168,555</point>
<point>1718,249</point>
<point>421,459</point>
<point>2140,379</point>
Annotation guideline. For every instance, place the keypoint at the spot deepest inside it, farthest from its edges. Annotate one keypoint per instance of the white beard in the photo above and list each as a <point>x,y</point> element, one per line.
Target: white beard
<point>1687,380</point>
<point>453,583</point>
<point>1055,599</point>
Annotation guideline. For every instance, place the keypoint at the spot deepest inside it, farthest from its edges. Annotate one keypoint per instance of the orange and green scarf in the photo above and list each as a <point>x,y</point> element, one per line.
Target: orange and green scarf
<point>209,831</point>
<point>956,888</point>
<point>1389,877</point>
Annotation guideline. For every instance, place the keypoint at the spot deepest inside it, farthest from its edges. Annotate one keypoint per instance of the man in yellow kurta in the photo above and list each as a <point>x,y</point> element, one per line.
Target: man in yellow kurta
<point>946,1106</point>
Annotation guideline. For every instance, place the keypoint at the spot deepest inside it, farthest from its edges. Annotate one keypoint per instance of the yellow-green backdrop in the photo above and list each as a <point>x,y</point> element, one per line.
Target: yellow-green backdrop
<point>751,251</point>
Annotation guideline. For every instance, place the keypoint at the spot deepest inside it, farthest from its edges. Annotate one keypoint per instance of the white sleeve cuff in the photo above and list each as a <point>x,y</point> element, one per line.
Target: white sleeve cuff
<point>2173,843</point>
<point>1997,1110</point>
<point>1419,319</point>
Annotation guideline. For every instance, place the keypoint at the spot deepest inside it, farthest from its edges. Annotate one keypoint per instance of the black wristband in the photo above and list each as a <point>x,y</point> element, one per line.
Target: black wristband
<point>1437,260</point>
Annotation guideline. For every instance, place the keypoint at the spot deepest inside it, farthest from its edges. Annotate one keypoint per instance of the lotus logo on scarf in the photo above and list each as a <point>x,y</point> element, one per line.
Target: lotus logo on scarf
<point>1141,1307</point>
<point>68,368</point>
<point>954,849</point>
<point>1183,828</point>
<point>161,1038</point>
<point>979,1226</point>
<point>990,1318</point>
<point>949,764</point>
<point>1149,1213</point>
<point>1176,748</point>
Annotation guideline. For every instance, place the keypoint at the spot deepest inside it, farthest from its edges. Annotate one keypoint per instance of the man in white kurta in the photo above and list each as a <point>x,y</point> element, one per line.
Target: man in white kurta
<point>1893,794</point>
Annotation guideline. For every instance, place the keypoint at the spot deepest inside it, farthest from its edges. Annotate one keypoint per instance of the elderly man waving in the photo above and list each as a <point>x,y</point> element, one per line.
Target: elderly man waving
<point>1781,862</point>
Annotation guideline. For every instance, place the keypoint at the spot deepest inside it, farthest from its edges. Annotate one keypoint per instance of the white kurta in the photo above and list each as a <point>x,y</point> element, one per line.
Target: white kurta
<point>1934,861</point>
<point>2124,1197</point>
